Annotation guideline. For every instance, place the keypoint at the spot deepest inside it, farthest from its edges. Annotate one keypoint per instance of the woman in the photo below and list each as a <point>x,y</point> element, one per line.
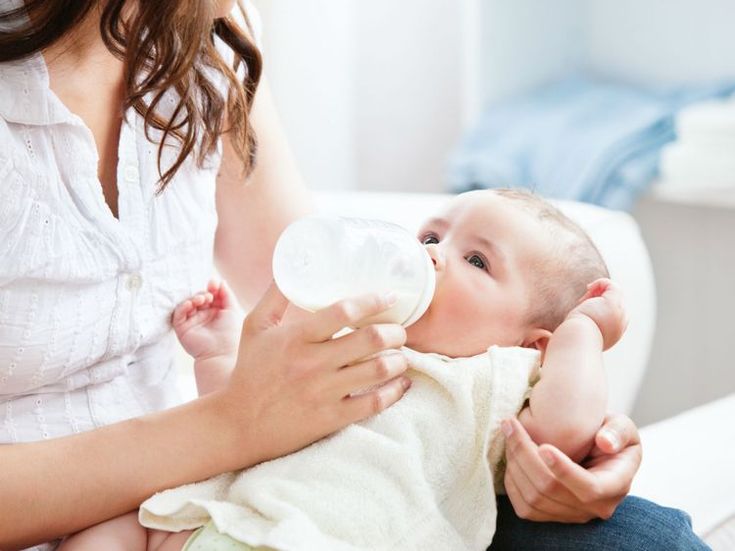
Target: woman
<point>116,196</point>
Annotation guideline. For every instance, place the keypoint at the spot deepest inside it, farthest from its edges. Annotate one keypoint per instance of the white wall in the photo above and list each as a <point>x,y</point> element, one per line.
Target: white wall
<point>523,43</point>
<point>309,59</point>
<point>654,42</point>
<point>660,41</point>
<point>408,100</point>
<point>368,91</point>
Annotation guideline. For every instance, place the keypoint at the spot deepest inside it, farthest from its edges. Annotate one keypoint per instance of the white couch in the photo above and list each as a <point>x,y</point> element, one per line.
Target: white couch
<point>688,460</point>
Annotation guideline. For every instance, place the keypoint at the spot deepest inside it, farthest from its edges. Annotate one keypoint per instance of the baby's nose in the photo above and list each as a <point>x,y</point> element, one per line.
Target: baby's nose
<point>437,256</point>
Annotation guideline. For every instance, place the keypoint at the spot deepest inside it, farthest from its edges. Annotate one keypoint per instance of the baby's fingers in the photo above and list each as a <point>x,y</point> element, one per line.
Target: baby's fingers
<point>201,300</point>
<point>190,306</point>
<point>598,288</point>
<point>223,295</point>
<point>182,312</point>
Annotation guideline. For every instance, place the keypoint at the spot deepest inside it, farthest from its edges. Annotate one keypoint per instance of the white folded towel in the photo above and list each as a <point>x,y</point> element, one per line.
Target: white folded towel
<point>417,476</point>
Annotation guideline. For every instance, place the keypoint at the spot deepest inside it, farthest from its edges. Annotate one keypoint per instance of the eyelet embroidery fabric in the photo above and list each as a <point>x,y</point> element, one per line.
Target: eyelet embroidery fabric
<point>85,298</point>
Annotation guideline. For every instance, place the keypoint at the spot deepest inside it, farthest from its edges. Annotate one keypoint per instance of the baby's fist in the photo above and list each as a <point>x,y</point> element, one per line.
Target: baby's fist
<point>603,304</point>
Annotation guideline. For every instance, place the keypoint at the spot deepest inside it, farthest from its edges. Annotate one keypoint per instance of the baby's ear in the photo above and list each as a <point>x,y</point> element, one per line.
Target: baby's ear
<point>537,338</point>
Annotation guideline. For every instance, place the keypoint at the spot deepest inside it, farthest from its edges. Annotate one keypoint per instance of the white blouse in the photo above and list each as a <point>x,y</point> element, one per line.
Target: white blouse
<point>86,298</point>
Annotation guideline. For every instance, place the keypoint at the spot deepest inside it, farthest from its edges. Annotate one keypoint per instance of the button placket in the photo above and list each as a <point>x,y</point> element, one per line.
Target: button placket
<point>134,281</point>
<point>131,175</point>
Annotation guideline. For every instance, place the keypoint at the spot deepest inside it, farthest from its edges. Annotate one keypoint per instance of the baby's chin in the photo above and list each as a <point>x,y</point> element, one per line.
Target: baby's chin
<point>426,342</point>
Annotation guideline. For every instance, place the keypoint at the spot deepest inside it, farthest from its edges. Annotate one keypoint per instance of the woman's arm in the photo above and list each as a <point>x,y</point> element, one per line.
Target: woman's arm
<point>289,388</point>
<point>55,487</point>
<point>253,213</point>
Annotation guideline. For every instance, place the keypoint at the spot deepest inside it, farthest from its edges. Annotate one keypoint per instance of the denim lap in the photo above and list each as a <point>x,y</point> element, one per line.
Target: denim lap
<point>637,525</point>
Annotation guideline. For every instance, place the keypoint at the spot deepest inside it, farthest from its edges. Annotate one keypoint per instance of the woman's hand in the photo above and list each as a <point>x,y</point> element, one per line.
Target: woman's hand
<point>543,484</point>
<point>294,384</point>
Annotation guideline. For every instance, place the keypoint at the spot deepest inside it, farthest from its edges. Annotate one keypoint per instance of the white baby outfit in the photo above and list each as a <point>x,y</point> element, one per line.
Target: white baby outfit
<point>85,298</point>
<point>417,476</point>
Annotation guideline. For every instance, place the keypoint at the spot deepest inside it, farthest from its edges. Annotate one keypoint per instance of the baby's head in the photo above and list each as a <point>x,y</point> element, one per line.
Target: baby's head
<point>509,268</point>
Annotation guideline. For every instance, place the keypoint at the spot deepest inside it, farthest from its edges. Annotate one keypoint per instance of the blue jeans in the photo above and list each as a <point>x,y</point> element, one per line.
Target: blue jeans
<point>637,525</point>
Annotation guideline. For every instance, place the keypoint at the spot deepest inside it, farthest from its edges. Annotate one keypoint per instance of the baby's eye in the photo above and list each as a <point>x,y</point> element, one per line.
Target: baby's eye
<point>477,261</point>
<point>429,239</point>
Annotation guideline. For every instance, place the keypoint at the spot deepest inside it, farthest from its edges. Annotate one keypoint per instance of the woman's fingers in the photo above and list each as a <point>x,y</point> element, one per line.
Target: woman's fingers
<point>617,432</point>
<point>528,511</point>
<point>368,373</point>
<point>293,372</point>
<point>268,312</point>
<point>522,452</point>
<point>374,401</point>
<point>581,482</point>
<point>345,313</point>
<point>600,488</point>
<point>365,342</point>
<point>539,498</point>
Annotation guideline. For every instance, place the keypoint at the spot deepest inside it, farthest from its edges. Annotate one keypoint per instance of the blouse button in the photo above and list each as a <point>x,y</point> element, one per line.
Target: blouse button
<point>131,174</point>
<point>134,282</point>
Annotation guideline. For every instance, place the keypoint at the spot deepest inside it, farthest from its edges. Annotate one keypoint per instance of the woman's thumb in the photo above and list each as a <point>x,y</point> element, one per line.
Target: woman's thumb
<point>268,311</point>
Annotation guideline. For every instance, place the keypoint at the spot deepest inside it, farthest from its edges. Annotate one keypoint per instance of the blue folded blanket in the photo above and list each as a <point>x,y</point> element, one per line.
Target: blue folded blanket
<point>579,139</point>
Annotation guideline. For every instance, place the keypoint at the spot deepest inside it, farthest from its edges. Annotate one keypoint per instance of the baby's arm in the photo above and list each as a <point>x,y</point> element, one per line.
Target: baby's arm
<point>567,406</point>
<point>207,326</point>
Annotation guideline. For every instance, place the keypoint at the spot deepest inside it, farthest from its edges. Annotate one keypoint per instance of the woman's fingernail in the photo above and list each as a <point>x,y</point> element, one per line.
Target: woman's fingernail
<point>406,383</point>
<point>390,298</point>
<point>611,437</point>
<point>548,457</point>
<point>507,428</point>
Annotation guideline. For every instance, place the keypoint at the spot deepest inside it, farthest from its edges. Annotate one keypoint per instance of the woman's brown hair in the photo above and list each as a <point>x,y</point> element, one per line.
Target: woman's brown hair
<point>166,45</point>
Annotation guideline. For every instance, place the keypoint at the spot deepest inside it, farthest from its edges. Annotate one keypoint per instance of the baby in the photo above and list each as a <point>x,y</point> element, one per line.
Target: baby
<point>513,274</point>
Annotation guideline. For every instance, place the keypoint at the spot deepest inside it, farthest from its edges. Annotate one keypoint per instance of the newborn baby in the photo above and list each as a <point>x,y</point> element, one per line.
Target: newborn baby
<point>520,317</point>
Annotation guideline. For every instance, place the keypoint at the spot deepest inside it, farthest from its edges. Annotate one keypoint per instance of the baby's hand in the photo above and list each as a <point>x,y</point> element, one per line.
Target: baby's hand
<point>603,304</point>
<point>208,324</point>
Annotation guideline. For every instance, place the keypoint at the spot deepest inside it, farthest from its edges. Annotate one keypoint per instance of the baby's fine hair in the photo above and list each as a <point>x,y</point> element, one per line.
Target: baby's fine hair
<point>562,277</point>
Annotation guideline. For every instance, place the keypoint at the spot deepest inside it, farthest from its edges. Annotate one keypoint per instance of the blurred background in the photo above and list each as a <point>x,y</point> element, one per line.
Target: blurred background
<point>627,104</point>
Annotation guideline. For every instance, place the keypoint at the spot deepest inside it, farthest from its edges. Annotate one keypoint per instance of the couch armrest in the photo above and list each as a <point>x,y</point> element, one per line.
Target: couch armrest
<point>688,463</point>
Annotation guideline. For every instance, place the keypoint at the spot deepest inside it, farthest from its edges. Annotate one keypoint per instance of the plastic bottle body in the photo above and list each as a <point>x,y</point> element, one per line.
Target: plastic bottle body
<point>320,260</point>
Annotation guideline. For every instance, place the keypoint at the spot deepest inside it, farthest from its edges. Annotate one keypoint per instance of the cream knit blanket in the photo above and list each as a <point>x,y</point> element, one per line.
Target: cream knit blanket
<point>417,476</point>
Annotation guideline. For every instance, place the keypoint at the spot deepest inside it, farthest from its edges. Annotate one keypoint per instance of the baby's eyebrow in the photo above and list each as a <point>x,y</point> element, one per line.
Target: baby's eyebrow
<point>436,222</point>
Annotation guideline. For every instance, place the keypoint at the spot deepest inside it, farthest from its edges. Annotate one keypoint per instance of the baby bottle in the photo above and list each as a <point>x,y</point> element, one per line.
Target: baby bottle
<point>319,260</point>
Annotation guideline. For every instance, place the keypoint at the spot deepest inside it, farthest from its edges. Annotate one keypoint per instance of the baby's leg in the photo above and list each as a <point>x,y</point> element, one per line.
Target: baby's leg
<point>122,533</point>
<point>159,540</point>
